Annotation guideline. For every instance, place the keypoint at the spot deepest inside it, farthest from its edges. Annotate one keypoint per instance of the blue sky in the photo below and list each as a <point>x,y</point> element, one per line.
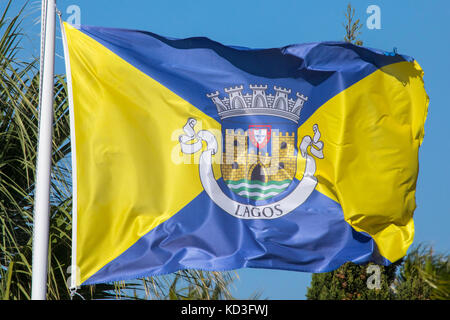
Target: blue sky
<point>415,27</point>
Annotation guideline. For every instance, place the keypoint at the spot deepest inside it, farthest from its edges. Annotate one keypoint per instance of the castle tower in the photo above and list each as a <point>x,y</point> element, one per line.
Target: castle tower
<point>236,98</point>
<point>215,98</point>
<point>240,146</point>
<point>235,166</point>
<point>229,154</point>
<point>297,108</point>
<point>281,98</point>
<point>259,99</point>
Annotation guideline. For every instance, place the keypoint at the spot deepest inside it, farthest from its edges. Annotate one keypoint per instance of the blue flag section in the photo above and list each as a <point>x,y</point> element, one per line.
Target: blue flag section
<point>191,154</point>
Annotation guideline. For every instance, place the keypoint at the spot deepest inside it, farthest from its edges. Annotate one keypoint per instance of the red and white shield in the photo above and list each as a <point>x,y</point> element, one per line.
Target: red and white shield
<point>259,135</point>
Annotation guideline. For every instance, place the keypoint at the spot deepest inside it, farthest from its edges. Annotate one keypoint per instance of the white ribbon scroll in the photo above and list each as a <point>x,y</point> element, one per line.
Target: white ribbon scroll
<point>191,142</point>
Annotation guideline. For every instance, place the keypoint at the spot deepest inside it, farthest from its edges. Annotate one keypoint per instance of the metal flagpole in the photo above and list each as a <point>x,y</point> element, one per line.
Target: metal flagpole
<point>43,167</point>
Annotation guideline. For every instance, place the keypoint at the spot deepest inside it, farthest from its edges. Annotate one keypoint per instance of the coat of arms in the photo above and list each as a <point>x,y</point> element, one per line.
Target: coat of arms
<point>260,150</point>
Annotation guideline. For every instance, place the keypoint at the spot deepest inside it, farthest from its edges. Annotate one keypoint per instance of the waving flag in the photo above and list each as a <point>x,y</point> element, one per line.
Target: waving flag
<point>191,154</point>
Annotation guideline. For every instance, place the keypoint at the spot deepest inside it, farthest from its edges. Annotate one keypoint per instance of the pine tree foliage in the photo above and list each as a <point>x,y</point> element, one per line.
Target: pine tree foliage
<point>422,275</point>
<point>350,282</point>
<point>352,27</point>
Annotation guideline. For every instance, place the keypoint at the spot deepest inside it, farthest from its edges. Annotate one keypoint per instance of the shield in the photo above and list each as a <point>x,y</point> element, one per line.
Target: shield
<point>259,135</point>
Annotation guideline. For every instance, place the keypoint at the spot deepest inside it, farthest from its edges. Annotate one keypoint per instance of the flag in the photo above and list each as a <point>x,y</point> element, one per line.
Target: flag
<point>190,154</point>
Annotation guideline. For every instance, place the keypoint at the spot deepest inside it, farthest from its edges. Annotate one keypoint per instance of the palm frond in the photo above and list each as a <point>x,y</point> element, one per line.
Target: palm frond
<point>19,115</point>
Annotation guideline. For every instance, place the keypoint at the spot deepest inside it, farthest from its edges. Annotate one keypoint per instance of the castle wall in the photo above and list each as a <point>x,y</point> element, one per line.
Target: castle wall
<point>247,161</point>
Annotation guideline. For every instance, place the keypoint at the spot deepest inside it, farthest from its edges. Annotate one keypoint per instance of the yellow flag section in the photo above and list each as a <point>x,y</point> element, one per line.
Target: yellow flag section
<point>372,132</point>
<point>117,111</point>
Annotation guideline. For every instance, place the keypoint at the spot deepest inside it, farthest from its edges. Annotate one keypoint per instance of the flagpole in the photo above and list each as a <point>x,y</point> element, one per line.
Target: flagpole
<point>43,167</point>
